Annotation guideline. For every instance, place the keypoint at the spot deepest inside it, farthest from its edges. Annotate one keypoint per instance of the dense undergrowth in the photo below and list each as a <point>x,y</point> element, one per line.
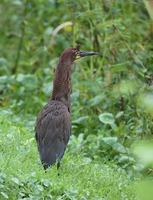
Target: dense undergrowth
<point>22,176</point>
<point>109,156</point>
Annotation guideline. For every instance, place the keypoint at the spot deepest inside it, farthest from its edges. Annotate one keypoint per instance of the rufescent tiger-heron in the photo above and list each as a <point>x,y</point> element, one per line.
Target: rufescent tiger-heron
<point>53,126</point>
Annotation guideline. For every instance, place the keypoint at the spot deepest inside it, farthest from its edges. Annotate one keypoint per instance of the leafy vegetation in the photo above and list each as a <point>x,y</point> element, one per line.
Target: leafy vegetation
<point>109,156</point>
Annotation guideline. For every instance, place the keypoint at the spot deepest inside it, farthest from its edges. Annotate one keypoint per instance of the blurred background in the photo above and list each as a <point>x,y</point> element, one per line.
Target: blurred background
<point>112,98</point>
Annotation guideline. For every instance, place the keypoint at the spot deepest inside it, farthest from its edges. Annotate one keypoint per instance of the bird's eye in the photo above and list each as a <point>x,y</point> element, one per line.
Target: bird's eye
<point>77,55</point>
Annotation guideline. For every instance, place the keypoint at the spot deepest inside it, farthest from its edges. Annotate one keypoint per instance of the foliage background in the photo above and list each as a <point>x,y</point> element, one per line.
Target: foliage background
<point>112,97</point>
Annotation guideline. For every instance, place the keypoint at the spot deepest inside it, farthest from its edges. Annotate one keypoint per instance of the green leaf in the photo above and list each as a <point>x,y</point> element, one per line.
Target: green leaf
<point>113,142</point>
<point>125,159</point>
<point>107,118</point>
<point>16,180</point>
<point>119,147</point>
<point>119,114</point>
<point>110,140</point>
<point>80,120</point>
<point>4,195</point>
<point>96,100</point>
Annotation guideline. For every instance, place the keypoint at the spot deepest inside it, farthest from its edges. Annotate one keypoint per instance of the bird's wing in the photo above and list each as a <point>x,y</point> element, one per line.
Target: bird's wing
<point>52,133</point>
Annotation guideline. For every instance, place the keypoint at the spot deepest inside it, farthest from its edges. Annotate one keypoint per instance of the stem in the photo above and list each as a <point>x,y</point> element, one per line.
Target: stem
<point>18,55</point>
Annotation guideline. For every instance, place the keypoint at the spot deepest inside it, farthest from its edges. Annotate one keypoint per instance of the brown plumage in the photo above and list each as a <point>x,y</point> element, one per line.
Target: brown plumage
<point>53,124</point>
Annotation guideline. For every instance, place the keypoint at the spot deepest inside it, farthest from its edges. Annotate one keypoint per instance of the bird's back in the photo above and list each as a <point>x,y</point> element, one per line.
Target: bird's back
<point>52,132</point>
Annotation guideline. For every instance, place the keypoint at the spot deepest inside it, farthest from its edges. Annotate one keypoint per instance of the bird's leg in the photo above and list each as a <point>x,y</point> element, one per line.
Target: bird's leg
<point>58,166</point>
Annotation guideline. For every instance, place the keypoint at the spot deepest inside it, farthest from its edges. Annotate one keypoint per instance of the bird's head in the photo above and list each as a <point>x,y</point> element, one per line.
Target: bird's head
<point>71,54</point>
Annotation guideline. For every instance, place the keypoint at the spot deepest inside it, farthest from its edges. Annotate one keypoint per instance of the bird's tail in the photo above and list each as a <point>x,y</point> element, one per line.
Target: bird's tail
<point>50,155</point>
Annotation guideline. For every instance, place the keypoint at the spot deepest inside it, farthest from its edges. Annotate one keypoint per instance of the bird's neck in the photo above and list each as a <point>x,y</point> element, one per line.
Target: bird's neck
<point>62,84</point>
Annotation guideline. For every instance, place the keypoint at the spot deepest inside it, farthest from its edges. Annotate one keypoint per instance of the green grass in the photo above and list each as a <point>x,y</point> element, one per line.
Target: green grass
<point>22,176</point>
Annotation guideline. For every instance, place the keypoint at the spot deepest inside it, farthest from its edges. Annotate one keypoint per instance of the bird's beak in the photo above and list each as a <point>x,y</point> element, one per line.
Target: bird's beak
<point>86,53</point>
